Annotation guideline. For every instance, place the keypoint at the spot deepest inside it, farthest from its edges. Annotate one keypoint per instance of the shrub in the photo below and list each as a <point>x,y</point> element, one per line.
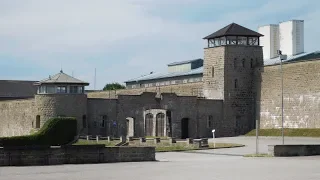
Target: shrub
<point>56,131</point>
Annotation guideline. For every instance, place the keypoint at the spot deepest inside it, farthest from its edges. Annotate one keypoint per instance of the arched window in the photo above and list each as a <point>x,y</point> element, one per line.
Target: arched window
<point>84,121</point>
<point>236,83</point>
<point>212,73</point>
<point>243,62</point>
<point>251,63</point>
<point>38,121</point>
<point>149,124</point>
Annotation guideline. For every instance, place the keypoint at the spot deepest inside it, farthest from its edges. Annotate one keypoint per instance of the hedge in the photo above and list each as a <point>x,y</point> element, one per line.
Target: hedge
<point>56,131</point>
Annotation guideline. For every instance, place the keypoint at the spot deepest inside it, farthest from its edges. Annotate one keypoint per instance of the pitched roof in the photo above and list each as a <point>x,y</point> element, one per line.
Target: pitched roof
<point>17,89</point>
<point>184,62</point>
<point>167,75</point>
<point>233,29</point>
<point>61,78</point>
<point>315,55</point>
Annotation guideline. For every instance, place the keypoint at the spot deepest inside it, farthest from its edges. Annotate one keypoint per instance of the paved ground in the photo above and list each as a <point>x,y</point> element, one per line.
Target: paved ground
<point>223,164</point>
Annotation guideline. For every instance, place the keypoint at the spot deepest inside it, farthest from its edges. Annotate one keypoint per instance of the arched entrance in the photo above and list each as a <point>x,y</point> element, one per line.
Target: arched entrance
<point>160,120</point>
<point>185,128</point>
<point>130,126</point>
<point>149,124</point>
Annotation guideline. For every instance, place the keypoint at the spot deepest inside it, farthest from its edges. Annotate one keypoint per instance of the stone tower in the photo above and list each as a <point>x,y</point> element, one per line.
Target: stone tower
<point>61,95</point>
<point>230,62</point>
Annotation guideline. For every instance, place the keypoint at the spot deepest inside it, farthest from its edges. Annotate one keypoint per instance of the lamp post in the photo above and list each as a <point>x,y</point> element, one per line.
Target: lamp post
<point>282,57</point>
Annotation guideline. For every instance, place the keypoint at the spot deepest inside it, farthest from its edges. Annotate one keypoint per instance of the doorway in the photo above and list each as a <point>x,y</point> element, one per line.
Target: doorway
<point>130,127</point>
<point>185,128</point>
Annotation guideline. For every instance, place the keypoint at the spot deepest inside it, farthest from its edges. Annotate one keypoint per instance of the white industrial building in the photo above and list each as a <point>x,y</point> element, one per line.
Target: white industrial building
<point>286,36</point>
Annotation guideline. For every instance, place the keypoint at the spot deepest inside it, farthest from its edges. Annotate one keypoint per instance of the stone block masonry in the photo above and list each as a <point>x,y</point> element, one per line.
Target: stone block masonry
<point>301,95</point>
<point>79,154</point>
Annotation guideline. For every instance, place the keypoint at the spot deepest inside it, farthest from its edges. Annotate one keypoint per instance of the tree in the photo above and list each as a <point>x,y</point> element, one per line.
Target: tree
<point>113,86</point>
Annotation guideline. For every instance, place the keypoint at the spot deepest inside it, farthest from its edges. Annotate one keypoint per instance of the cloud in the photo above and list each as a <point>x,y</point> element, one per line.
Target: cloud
<point>123,39</point>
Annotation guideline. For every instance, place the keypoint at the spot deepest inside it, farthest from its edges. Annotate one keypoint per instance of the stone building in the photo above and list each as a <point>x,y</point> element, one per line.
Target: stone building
<point>235,87</point>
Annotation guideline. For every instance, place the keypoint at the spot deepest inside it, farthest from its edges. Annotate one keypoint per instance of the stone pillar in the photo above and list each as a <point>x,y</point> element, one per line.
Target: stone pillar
<point>189,141</point>
<point>109,139</point>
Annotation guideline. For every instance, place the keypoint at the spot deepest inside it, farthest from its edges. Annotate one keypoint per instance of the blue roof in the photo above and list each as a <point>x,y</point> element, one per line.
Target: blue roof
<point>298,57</point>
<point>167,75</point>
<point>184,62</point>
<point>267,62</point>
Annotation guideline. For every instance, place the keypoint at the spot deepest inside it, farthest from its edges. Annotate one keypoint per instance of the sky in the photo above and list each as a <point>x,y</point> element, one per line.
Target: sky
<point>124,39</point>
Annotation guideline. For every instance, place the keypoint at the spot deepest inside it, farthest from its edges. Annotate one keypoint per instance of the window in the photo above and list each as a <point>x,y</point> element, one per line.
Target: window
<point>84,121</point>
<point>251,63</point>
<point>236,83</point>
<point>103,121</point>
<point>243,62</point>
<point>42,89</point>
<point>51,89</point>
<point>61,89</point>
<point>38,121</point>
<point>210,122</point>
<point>81,89</point>
<point>212,72</point>
<point>73,89</point>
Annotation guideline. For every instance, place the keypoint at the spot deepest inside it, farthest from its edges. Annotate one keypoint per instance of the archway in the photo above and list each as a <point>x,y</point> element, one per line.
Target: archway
<point>160,120</point>
<point>130,126</point>
<point>185,128</point>
<point>149,124</point>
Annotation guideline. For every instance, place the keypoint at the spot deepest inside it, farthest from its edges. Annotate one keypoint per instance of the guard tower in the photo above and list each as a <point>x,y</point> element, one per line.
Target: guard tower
<point>230,59</point>
<point>61,95</point>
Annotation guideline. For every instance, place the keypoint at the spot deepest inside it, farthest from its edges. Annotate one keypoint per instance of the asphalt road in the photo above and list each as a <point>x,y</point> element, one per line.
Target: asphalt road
<point>222,164</point>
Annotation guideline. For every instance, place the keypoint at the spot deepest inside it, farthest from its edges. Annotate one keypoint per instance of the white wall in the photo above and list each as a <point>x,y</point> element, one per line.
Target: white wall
<point>292,37</point>
<point>270,40</point>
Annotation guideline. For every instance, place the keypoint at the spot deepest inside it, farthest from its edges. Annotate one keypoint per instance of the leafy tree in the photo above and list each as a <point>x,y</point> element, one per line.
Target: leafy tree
<point>113,86</point>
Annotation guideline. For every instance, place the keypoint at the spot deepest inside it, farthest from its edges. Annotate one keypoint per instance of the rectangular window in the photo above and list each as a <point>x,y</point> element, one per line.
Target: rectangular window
<point>73,89</point>
<point>80,89</point>
<point>42,89</point>
<point>103,120</point>
<point>61,89</point>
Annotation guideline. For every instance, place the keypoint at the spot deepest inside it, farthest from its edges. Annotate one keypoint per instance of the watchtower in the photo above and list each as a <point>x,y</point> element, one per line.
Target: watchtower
<point>230,59</point>
<point>61,95</point>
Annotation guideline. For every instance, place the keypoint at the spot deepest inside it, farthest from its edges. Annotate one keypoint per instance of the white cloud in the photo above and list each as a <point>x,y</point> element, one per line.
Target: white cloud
<point>118,37</point>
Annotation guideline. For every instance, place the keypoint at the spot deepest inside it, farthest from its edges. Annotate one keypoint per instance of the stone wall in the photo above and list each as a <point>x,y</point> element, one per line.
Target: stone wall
<point>97,109</point>
<point>17,117</point>
<point>54,105</point>
<point>190,89</point>
<point>30,156</point>
<point>301,95</point>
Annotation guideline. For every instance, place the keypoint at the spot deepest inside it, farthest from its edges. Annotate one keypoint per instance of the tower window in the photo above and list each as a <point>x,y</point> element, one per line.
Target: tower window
<point>243,62</point>
<point>38,121</point>
<point>236,83</point>
<point>212,73</point>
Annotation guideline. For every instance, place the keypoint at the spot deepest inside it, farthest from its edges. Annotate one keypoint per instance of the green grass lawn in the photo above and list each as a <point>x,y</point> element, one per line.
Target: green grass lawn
<point>287,132</point>
<point>163,146</point>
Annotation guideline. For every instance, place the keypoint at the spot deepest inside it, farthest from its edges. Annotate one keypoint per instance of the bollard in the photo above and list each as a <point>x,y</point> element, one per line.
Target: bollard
<point>87,138</point>
<point>109,139</point>
<point>97,138</point>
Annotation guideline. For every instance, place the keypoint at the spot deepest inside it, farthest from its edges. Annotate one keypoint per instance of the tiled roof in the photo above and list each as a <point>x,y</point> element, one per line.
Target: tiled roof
<point>17,89</point>
<point>184,62</point>
<point>233,29</point>
<point>167,75</point>
<point>62,78</point>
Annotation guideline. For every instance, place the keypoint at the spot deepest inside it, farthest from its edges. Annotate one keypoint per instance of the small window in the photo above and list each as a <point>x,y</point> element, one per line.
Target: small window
<point>38,121</point>
<point>212,72</point>
<point>251,63</point>
<point>61,89</point>
<point>84,121</point>
<point>236,83</point>
<point>243,62</point>
<point>210,122</point>
<point>103,121</point>
<point>73,89</point>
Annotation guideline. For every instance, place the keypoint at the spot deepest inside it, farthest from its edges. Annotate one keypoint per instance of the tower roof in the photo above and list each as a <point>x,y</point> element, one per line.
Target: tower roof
<point>233,29</point>
<point>62,78</point>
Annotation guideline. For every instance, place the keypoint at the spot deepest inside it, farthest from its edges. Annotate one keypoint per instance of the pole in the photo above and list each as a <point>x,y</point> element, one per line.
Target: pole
<point>257,136</point>
<point>282,130</point>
